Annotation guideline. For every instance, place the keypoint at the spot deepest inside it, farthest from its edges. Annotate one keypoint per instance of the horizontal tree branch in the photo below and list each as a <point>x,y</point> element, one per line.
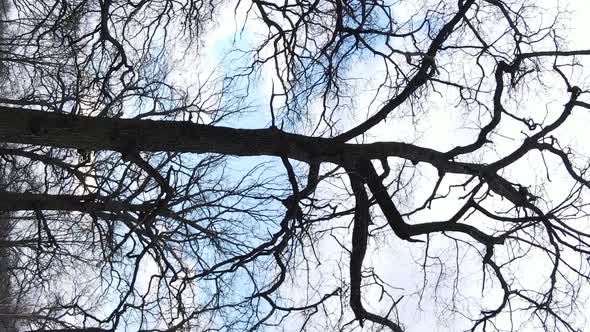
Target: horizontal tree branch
<point>25,126</point>
<point>10,201</point>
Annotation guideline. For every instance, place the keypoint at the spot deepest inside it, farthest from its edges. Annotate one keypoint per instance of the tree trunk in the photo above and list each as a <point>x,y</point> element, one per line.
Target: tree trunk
<point>24,126</point>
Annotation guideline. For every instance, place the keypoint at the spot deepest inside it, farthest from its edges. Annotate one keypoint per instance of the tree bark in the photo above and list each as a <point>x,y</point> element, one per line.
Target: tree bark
<point>25,126</point>
<point>10,201</point>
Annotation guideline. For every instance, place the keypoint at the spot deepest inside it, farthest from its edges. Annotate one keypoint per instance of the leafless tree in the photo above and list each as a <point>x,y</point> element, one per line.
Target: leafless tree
<point>138,199</point>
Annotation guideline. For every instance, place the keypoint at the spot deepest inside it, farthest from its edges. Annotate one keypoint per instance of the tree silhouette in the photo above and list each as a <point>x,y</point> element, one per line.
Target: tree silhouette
<point>140,197</point>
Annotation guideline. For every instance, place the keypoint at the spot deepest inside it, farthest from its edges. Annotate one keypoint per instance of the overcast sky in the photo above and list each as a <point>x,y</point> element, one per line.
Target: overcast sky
<point>395,259</point>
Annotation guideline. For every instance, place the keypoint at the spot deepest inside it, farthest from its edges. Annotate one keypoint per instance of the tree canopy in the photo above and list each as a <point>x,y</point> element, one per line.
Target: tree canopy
<point>189,165</point>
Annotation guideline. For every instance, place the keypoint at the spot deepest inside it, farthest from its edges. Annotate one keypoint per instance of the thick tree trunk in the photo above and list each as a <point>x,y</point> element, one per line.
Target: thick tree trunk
<point>10,201</point>
<point>24,126</point>
<point>7,305</point>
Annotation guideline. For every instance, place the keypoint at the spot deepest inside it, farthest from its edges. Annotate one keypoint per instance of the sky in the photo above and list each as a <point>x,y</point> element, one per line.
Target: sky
<point>393,258</point>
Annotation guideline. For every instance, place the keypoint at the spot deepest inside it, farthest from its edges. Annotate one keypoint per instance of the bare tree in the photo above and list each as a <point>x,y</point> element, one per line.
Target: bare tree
<point>140,202</point>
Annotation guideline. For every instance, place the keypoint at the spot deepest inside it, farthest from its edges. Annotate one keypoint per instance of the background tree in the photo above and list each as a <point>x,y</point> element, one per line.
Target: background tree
<point>141,201</point>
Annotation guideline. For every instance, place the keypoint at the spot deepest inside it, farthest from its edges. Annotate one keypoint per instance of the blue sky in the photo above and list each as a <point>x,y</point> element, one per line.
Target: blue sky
<point>393,258</point>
